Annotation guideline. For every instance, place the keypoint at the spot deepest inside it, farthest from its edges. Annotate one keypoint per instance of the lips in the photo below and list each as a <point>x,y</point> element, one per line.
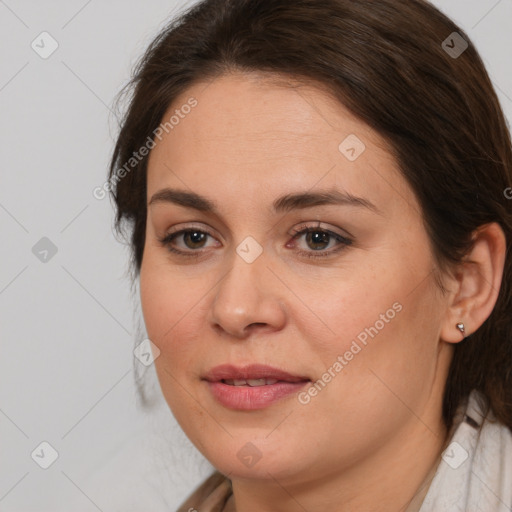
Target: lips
<point>252,374</point>
<point>251,387</point>
<point>249,382</point>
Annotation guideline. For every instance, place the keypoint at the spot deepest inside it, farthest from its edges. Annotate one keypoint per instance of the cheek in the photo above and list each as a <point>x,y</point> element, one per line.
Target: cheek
<point>384,321</point>
<point>376,368</point>
<point>161,305</point>
<point>168,320</point>
<point>157,304</point>
<point>345,307</point>
<point>171,306</point>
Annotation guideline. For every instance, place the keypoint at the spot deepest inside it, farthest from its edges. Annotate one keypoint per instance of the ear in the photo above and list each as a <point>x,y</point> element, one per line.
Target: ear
<point>476,284</point>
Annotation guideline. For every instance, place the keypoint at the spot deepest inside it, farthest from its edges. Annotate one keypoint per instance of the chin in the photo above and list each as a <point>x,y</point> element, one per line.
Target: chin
<point>249,460</point>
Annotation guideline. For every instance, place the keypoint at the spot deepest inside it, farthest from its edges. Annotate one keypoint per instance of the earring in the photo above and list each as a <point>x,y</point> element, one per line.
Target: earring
<point>460,326</point>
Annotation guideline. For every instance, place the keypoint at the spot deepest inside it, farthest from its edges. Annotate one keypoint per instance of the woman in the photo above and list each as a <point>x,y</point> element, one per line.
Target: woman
<point>316,193</point>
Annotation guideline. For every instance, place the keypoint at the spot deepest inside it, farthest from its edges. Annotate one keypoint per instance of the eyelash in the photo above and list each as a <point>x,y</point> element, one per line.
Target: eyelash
<point>301,230</point>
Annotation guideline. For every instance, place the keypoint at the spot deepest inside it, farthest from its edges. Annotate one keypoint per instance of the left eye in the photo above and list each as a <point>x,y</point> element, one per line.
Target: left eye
<point>317,239</point>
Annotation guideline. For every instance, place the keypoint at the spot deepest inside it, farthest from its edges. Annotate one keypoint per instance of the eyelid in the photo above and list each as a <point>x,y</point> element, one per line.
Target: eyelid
<point>321,227</point>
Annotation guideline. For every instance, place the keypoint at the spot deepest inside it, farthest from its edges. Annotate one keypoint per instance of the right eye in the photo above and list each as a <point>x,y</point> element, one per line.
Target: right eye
<point>192,238</point>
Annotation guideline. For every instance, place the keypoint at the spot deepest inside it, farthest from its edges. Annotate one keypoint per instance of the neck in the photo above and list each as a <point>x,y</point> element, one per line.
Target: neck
<point>388,480</point>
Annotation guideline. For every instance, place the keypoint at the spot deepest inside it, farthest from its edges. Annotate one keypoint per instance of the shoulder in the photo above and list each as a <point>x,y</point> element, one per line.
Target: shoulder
<point>491,466</point>
<point>475,472</point>
<point>210,496</point>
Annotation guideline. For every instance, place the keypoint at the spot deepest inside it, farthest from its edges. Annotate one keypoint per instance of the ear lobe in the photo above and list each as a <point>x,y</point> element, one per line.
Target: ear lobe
<point>478,281</point>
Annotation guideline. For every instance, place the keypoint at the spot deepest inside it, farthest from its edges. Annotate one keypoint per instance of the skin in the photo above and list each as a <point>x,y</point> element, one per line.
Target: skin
<point>248,141</point>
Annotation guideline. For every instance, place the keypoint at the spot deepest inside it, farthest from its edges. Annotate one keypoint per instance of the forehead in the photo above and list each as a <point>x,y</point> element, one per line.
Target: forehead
<point>248,134</point>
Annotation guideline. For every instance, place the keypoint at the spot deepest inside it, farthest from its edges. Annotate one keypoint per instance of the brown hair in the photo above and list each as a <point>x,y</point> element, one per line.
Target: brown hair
<point>385,60</point>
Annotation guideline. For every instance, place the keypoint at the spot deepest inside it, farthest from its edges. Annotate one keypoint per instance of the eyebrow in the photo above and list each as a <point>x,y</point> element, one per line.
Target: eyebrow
<point>283,204</point>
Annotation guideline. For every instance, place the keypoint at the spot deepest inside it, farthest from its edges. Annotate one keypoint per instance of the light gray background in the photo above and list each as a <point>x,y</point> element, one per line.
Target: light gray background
<point>69,325</point>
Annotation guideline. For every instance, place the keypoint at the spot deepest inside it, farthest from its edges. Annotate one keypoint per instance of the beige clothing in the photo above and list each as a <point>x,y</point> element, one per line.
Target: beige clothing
<point>210,496</point>
<point>473,473</point>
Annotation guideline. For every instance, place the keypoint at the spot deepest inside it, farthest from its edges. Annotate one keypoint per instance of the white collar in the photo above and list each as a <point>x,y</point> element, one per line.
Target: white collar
<point>475,472</point>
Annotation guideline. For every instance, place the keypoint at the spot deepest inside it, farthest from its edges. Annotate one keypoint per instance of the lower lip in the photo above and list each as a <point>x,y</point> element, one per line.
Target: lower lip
<point>248,398</point>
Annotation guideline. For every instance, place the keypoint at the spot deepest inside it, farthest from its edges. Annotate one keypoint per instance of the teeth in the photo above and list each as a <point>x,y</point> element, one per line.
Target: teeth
<point>256,382</point>
<point>250,382</point>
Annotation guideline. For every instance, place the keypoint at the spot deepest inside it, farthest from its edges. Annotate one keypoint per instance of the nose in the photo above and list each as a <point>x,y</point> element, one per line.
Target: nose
<point>248,299</point>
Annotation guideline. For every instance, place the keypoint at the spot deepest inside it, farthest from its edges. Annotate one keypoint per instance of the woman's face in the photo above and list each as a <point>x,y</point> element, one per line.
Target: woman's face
<point>348,310</point>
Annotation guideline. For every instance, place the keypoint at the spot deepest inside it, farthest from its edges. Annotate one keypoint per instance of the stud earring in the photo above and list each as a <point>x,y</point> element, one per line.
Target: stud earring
<point>460,326</point>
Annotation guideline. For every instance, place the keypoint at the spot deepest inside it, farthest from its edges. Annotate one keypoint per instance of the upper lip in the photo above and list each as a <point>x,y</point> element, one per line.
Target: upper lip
<point>252,371</point>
